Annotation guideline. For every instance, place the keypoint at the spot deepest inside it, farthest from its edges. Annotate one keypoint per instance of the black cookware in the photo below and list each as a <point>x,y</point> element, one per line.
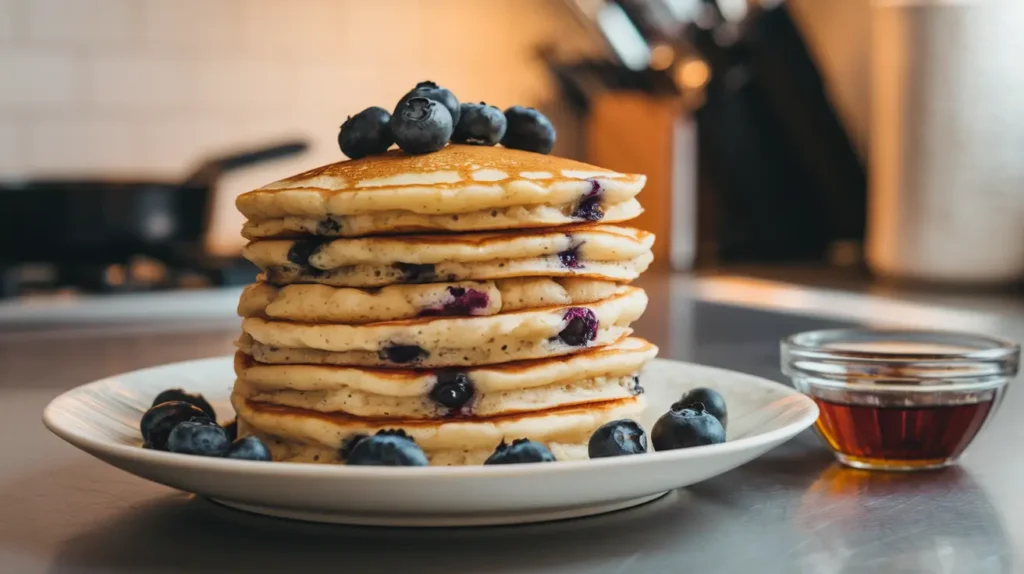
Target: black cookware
<point>90,223</point>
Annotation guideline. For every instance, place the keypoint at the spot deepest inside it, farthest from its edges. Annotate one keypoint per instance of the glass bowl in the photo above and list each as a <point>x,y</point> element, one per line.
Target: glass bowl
<point>900,399</point>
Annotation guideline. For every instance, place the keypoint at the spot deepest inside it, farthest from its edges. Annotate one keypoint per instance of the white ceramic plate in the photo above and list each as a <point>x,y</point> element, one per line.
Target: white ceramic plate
<point>102,419</point>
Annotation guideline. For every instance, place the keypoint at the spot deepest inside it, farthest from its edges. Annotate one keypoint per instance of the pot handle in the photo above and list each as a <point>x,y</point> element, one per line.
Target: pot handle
<point>207,173</point>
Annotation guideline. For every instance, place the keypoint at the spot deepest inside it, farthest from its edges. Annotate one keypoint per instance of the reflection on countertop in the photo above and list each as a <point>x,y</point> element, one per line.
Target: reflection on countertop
<point>996,299</point>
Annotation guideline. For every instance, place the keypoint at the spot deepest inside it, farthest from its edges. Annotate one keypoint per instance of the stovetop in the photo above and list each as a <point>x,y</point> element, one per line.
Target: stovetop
<point>136,275</point>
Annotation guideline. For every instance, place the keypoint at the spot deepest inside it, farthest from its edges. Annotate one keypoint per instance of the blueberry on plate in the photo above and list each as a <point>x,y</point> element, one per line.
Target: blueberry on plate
<point>249,448</point>
<point>387,448</point>
<point>479,124</point>
<point>683,427</point>
<point>528,130</point>
<point>421,126</point>
<point>349,443</point>
<point>232,429</point>
<point>202,437</point>
<point>366,133</point>
<point>180,395</point>
<point>159,421</point>
<point>520,451</point>
<point>713,401</point>
<point>434,92</point>
<point>617,438</point>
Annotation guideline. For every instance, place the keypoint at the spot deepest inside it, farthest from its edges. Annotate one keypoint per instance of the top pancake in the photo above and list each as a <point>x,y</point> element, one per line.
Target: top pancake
<point>459,188</point>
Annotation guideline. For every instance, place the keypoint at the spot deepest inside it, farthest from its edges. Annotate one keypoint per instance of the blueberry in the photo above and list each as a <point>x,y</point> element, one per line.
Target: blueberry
<point>421,126</point>
<point>232,429</point>
<point>159,421</point>
<point>402,353</point>
<point>387,448</point>
<point>366,133</point>
<point>180,395</point>
<point>301,250</point>
<point>580,328</point>
<point>349,443</point>
<point>570,258</point>
<point>463,302</point>
<point>416,272</point>
<point>686,427</point>
<point>636,388</point>
<point>479,124</point>
<point>589,207</point>
<point>203,437</point>
<point>452,389</point>
<point>617,438</point>
<point>249,448</point>
<point>328,226</point>
<point>432,91</point>
<point>529,130</point>
<point>713,401</point>
<point>521,450</point>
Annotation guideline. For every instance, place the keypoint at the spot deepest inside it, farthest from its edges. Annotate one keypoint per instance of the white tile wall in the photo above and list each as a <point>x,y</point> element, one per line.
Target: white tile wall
<point>88,24</point>
<point>38,80</point>
<point>234,84</point>
<point>7,18</point>
<point>70,143</point>
<point>149,86</point>
<point>135,83</point>
<point>194,28</point>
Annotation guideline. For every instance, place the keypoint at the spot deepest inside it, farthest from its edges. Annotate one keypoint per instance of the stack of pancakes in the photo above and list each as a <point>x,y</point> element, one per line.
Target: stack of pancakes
<point>468,296</point>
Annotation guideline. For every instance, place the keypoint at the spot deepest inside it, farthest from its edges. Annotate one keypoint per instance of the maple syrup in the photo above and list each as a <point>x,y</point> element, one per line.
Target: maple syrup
<point>900,437</point>
<point>899,399</point>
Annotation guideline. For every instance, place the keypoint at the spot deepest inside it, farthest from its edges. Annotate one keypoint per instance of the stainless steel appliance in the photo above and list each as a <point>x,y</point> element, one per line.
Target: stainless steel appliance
<point>947,141</point>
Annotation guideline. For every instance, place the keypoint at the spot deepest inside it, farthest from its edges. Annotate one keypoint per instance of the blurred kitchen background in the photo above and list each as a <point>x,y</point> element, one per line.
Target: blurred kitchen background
<point>829,142</point>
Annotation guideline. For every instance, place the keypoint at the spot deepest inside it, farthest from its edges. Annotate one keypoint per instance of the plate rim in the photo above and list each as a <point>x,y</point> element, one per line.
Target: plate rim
<point>295,469</point>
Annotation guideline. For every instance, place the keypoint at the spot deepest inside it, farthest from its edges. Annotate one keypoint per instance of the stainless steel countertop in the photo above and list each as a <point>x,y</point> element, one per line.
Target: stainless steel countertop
<point>791,511</point>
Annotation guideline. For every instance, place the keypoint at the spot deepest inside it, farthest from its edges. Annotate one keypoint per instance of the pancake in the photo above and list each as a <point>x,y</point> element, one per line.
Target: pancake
<point>515,351</point>
<point>459,188</point>
<point>368,405</point>
<point>297,435</point>
<point>591,251</point>
<point>620,358</point>
<point>600,374</point>
<point>452,341</point>
<point>520,217</point>
<point>322,303</point>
